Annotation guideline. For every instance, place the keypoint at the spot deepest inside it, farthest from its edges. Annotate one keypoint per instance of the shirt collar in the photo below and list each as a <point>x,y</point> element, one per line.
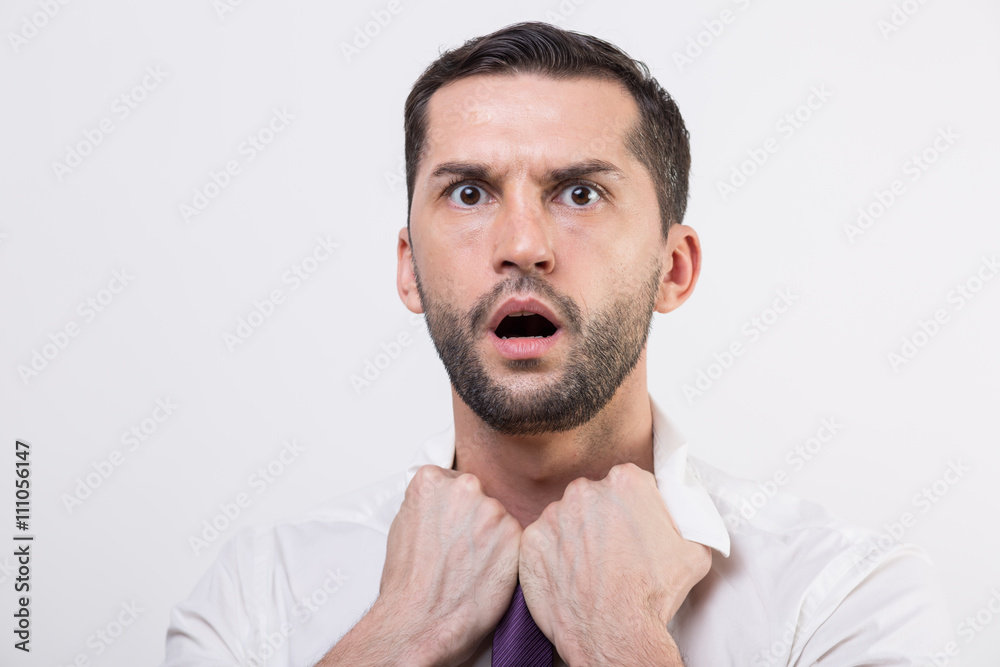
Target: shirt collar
<point>677,479</point>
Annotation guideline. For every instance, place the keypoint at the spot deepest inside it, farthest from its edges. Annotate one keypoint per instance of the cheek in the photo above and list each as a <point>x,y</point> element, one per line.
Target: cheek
<point>451,283</point>
<point>460,243</point>
<point>596,271</point>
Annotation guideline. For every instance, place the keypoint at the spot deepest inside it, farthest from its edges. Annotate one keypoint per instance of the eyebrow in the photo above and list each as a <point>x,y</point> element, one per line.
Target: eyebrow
<point>483,172</point>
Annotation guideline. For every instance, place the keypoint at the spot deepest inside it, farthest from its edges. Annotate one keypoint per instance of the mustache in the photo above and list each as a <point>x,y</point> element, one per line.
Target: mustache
<point>526,284</point>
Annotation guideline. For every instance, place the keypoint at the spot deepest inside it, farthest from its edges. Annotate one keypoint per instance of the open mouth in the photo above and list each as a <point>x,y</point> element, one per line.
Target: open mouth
<point>524,325</point>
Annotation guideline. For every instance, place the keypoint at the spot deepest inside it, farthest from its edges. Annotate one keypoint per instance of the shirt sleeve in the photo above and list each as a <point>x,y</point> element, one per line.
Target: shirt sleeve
<point>214,624</point>
<point>896,616</point>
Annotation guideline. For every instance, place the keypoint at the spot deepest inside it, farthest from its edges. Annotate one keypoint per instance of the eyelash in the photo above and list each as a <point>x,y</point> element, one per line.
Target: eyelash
<point>450,187</point>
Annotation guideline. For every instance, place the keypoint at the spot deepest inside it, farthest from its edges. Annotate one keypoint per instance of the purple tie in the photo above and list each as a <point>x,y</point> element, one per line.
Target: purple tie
<point>517,641</point>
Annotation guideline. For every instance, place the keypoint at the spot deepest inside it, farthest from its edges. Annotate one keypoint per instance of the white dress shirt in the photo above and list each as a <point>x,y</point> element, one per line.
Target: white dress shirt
<point>788,586</point>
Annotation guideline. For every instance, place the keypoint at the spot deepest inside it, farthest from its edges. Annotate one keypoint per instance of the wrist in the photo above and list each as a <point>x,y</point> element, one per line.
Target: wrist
<point>376,639</point>
<point>643,642</point>
<point>656,646</point>
<point>412,638</point>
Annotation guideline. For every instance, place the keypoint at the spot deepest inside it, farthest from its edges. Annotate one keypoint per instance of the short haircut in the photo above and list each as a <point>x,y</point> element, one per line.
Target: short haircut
<point>659,139</point>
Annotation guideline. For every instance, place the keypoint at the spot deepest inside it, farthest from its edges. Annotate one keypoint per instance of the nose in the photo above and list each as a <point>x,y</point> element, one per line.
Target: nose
<point>523,236</point>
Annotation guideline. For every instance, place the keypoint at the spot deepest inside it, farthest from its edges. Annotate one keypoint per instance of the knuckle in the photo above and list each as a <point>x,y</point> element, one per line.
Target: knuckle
<point>424,484</point>
<point>532,538</point>
<point>510,524</point>
<point>577,488</point>
<point>425,473</point>
<point>625,472</point>
<point>700,559</point>
<point>415,489</point>
<point>469,483</point>
<point>630,468</point>
<point>499,521</point>
<point>493,510</point>
<point>493,507</point>
<point>548,514</point>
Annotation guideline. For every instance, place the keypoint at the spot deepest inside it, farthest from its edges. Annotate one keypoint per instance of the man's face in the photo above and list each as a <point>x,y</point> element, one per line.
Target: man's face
<point>493,219</point>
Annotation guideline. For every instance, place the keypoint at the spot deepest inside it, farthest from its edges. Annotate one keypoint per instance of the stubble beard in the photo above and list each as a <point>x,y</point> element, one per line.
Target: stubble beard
<point>606,349</point>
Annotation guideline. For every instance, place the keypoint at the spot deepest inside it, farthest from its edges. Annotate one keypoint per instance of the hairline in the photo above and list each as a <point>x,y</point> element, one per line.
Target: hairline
<point>632,138</point>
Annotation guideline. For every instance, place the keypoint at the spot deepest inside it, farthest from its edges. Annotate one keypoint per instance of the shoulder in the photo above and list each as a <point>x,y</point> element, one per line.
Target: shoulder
<point>373,505</point>
<point>835,587</point>
<point>266,577</point>
<point>762,519</point>
<point>339,528</point>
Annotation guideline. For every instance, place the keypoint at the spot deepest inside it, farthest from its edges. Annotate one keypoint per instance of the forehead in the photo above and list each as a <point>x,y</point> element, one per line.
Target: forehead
<point>529,119</point>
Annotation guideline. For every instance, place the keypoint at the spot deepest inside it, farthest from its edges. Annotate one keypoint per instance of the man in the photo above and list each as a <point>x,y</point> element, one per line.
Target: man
<point>561,520</point>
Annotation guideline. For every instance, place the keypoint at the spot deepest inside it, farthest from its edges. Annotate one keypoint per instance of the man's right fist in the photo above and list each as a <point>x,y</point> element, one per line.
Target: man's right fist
<point>451,564</point>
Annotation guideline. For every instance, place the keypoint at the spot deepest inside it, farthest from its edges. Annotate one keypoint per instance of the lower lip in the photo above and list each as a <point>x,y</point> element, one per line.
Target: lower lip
<point>525,348</point>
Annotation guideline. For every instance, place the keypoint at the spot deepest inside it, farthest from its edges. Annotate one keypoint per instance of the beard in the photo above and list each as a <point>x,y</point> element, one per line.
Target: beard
<point>605,349</point>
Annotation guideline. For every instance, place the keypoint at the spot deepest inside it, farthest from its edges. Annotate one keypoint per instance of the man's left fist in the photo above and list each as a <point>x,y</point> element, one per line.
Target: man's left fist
<point>604,569</point>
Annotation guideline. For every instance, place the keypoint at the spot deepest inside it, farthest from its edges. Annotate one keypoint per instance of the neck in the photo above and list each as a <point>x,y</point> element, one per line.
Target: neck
<point>526,473</point>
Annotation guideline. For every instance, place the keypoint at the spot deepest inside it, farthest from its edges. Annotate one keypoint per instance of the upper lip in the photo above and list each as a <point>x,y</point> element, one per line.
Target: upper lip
<point>519,304</point>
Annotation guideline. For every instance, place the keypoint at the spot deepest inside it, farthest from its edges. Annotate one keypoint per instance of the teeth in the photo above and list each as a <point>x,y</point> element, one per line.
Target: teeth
<point>523,312</point>
<point>505,337</point>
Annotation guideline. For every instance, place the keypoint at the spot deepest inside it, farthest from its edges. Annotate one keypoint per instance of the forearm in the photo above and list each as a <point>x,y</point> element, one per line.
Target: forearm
<point>660,650</point>
<point>653,647</point>
<point>381,638</point>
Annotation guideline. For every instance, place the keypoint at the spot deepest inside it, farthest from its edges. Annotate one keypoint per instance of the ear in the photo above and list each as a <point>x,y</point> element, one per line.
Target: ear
<point>681,266</point>
<point>406,281</point>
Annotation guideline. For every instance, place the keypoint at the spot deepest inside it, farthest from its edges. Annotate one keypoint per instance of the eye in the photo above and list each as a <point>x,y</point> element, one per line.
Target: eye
<point>467,195</point>
<point>579,195</point>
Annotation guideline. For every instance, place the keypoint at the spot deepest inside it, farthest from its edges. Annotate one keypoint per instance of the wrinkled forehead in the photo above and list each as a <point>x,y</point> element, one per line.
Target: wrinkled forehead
<point>524,120</point>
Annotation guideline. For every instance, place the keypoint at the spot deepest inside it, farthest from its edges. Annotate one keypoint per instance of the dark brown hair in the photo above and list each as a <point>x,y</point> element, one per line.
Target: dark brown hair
<point>659,139</point>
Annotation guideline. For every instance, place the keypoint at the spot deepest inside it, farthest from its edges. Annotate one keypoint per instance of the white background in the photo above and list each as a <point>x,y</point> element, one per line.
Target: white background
<point>336,171</point>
